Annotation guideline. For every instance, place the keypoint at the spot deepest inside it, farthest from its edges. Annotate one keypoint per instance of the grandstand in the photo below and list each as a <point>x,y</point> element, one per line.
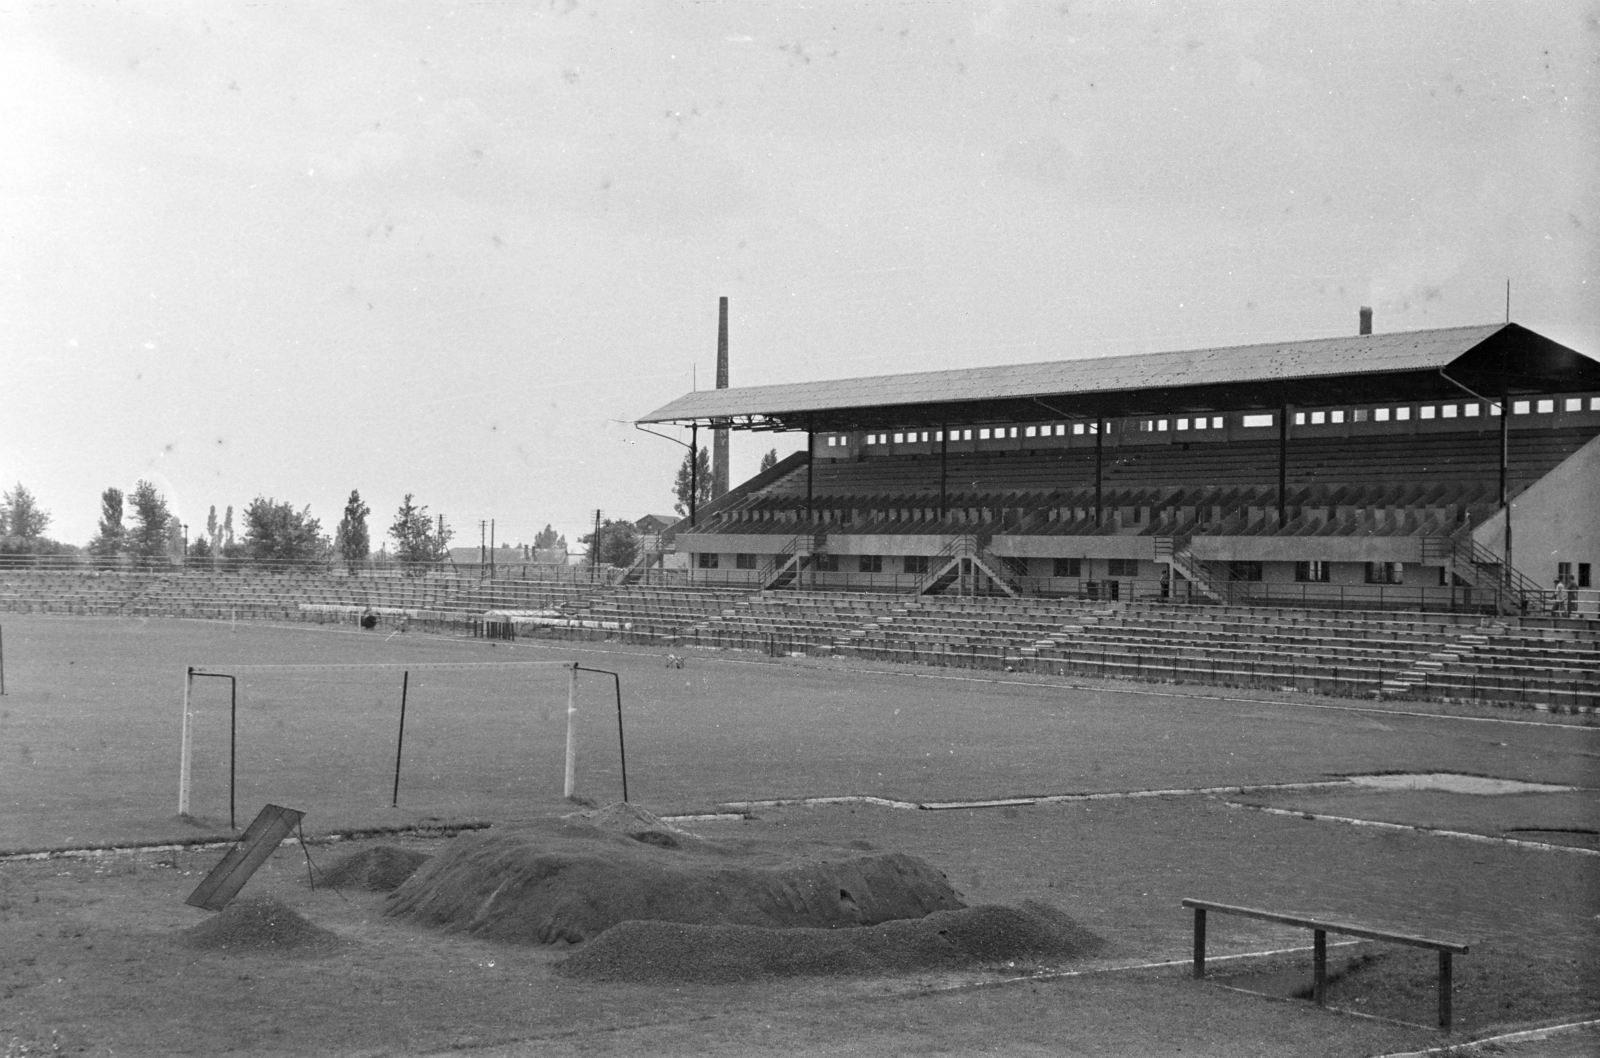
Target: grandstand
<point>1375,471</point>
<point>1240,517</point>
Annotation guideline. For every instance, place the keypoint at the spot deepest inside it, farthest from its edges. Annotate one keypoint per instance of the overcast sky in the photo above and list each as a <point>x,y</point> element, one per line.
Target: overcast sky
<point>291,249</point>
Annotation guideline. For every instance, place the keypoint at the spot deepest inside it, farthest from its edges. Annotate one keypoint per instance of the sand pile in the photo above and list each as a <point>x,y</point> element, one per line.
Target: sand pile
<point>632,821</point>
<point>260,924</point>
<point>669,952</point>
<point>569,880</point>
<point>379,869</point>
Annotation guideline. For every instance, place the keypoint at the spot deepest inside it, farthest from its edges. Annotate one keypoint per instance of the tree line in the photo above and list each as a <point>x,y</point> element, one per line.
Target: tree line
<point>138,529</point>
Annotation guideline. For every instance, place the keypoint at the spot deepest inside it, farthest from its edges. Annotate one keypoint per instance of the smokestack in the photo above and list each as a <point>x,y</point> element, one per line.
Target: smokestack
<point>719,442</point>
<point>1366,320</point>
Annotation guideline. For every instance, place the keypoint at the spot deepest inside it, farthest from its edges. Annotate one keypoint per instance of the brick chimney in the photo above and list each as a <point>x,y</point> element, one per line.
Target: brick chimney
<point>1366,320</point>
<point>719,437</point>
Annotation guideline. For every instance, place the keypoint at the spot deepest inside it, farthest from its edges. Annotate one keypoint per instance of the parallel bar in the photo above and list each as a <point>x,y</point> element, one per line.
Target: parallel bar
<point>1332,927</point>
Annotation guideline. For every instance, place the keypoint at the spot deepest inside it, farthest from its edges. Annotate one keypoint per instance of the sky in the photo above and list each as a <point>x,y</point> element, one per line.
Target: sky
<point>295,249</point>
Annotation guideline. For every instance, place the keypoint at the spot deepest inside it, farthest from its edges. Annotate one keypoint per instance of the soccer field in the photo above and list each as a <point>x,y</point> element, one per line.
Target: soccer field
<point>92,722</point>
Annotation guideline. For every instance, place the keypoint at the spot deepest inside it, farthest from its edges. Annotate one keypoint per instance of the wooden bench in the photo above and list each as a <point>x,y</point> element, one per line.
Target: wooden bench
<point>1320,930</point>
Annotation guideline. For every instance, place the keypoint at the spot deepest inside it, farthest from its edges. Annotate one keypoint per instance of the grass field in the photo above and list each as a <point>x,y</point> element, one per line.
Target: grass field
<point>90,729</point>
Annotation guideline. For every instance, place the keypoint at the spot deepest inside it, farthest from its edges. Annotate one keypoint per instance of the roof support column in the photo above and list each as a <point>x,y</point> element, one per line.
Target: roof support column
<point>1505,461</point>
<point>811,461</point>
<point>944,458</point>
<point>1283,464</point>
<point>1099,467</point>
<point>694,469</point>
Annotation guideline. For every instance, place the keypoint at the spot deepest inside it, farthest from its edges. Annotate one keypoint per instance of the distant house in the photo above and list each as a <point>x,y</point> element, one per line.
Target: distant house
<point>650,528</point>
<point>651,524</point>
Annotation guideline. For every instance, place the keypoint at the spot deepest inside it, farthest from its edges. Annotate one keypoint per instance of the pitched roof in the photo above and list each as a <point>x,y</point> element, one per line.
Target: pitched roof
<point>1197,373</point>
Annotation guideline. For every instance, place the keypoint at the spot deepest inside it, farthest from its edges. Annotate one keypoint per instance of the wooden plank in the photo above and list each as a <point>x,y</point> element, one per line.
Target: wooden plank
<point>1346,928</point>
<point>260,839</point>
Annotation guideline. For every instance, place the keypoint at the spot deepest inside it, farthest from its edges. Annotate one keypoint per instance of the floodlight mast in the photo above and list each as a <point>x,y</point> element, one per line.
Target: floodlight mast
<point>694,461</point>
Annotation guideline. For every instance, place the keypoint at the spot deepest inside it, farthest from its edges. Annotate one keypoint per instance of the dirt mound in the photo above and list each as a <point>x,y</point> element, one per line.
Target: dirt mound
<point>567,880</point>
<point>637,823</point>
<point>379,869</point>
<point>670,952</point>
<point>260,924</point>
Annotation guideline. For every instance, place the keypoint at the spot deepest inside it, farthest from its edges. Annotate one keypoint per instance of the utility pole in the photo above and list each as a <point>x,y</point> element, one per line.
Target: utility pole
<point>483,527</point>
<point>491,548</point>
<point>594,548</point>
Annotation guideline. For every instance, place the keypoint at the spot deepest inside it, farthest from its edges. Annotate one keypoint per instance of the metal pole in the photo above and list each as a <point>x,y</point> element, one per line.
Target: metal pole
<point>1445,986</point>
<point>694,470</point>
<point>571,785</point>
<point>1199,942</point>
<point>233,751</point>
<point>1319,967</point>
<point>183,746</point>
<point>622,748</point>
<point>400,742</point>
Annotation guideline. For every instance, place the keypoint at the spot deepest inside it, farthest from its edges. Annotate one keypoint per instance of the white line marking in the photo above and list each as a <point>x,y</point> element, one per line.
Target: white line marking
<point>1523,1036</point>
<point>1040,799</point>
<point>1434,831</point>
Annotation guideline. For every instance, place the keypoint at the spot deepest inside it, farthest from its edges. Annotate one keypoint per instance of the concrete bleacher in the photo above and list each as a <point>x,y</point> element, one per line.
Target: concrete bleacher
<point>1349,653</point>
<point>1544,662</point>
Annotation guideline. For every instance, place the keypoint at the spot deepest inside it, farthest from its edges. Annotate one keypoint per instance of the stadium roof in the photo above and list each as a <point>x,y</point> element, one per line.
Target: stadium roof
<point>1370,368</point>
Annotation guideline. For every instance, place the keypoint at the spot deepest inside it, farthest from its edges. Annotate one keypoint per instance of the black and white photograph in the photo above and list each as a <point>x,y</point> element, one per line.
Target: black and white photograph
<point>834,529</point>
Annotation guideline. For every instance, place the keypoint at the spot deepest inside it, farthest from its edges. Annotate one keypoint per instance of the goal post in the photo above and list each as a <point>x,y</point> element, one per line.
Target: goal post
<point>333,711</point>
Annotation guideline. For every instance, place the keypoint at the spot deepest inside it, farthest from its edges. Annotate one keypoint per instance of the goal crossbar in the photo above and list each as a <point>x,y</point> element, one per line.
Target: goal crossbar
<point>397,666</point>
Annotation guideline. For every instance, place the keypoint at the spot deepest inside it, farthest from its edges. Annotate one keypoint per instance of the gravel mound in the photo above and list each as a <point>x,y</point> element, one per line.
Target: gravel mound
<point>633,821</point>
<point>673,952</point>
<point>260,924</point>
<point>568,881</point>
<point>379,869</point>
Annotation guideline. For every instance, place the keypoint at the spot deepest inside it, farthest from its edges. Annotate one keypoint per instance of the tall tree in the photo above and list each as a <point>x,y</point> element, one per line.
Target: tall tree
<point>21,516</point>
<point>277,534</point>
<point>619,542</point>
<point>147,540</point>
<point>227,527</point>
<point>416,541</point>
<point>547,538</point>
<point>697,472</point>
<point>352,540</point>
<point>112,535</point>
<point>213,529</point>
<point>769,460</point>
